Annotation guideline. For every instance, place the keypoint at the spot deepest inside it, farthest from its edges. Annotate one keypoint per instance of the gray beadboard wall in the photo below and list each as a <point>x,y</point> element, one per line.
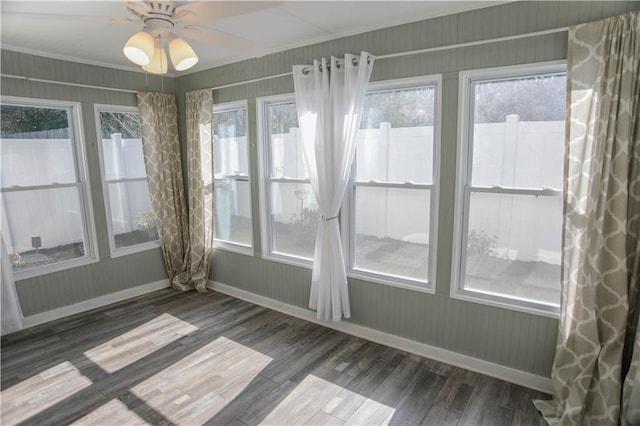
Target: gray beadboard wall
<point>510,338</point>
<point>71,286</point>
<point>518,340</point>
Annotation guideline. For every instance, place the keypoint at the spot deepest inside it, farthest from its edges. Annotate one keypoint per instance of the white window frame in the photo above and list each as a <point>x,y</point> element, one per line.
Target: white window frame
<point>265,181</point>
<point>117,251</point>
<point>346,226</point>
<point>463,186</point>
<point>348,205</point>
<point>232,246</point>
<point>82,184</point>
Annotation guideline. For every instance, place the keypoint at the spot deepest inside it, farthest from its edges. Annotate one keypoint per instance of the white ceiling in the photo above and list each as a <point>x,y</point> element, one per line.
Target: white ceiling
<point>33,27</point>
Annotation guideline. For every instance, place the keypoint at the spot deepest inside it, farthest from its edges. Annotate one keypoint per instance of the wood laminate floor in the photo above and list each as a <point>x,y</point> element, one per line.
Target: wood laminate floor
<point>189,359</point>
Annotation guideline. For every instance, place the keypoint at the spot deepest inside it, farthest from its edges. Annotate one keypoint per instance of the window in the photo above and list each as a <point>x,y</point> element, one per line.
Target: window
<point>511,167</point>
<point>232,228</point>
<point>47,223</point>
<point>289,210</point>
<point>393,196</point>
<point>130,216</point>
<point>388,216</point>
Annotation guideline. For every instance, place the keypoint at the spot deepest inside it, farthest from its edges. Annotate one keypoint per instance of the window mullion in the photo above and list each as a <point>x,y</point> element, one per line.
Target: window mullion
<point>126,180</point>
<point>18,188</point>
<point>516,191</point>
<point>379,184</point>
<point>220,176</point>
<point>288,180</point>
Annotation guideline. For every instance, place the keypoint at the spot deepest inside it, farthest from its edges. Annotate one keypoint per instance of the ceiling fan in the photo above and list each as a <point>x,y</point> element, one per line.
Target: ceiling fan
<point>165,22</point>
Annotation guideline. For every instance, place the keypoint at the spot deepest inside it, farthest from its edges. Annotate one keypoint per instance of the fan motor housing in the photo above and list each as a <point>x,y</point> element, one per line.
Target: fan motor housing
<point>161,17</point>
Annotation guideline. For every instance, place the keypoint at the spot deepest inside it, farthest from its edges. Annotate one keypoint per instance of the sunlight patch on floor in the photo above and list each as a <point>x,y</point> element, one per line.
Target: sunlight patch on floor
<point>194,389</point>
<point>39,392</point>
<point>113,412</point>
<point>317,401</point>
<point>136,344</point>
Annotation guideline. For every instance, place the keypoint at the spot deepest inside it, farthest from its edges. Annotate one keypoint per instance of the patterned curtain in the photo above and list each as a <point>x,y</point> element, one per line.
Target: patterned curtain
<point>159,129</point>
<point>200,169</point>
<point>601,251</point>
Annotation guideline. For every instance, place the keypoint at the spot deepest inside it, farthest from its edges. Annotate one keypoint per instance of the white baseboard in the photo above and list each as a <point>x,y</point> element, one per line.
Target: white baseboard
<point>487,368</point>
<point>97,302</point>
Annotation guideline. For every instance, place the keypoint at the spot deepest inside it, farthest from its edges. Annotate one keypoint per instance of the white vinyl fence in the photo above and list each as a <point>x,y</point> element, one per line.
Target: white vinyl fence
<point>123,158</point>
<point>514,153</point>
<point>34,162</point>
<point>511,153</point>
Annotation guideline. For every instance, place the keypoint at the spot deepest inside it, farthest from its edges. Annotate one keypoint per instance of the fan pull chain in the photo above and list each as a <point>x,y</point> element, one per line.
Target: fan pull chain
<point>162,66</point>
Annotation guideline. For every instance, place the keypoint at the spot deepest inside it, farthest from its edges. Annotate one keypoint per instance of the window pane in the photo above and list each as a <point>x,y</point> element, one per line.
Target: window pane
<point>126,123</point>
<point>392,237</point>
<point>285,141</point>
<point>36,146</point>
<point>395,141</point>
<point>513,246</point>
<point>130,210</point>
<point>123,158</point>
<point>294,219</point>
<point>132,218</point>
<point>233,211</point>
<point>395,155</point>
<point>518,132</point>
<point>230,142</point>
<point>41,227</point>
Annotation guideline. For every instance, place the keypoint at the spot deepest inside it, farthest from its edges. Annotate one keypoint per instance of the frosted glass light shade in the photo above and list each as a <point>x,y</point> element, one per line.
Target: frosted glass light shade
<point>139,48</point>
<point>158,63</point>
<point>182,55</point>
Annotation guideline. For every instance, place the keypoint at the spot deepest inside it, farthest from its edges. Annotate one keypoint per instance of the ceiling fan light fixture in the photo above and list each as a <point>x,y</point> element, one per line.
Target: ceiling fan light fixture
<point>182,55</point>
<point>139,49</point>
<point>158,64</point>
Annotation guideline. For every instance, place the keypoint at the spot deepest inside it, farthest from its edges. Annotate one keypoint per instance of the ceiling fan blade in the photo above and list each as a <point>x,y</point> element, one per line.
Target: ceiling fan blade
<point>139,8</point>
<point>202,11</point>
<point>124,20</point>
<point>84,18</point>
<point>222,40</point>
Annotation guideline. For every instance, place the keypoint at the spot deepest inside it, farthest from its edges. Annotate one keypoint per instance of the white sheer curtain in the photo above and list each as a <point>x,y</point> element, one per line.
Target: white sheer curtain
<point>11,313</point>
<point>329,99</point>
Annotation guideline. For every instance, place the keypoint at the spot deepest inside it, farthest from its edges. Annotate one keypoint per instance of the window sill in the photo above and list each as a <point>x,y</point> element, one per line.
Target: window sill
<point>126,251</point>
<point>387,280</point>
<point>289,260</point>
<point>384,280</point>
<point>55,267</point>
<point>525,306</point>
<point>234,248</point>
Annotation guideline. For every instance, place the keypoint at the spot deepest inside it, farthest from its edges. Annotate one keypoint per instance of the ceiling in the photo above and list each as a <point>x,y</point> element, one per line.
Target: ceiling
<point>51,28</point>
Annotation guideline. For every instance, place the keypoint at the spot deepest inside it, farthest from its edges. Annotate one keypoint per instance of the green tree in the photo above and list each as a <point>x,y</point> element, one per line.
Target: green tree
<point>401,108</point>
<point>283,117</point>
<point>26,119</point>
<point>228,124</point>
<point>533,99</point>
<point>126,123</point>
